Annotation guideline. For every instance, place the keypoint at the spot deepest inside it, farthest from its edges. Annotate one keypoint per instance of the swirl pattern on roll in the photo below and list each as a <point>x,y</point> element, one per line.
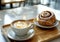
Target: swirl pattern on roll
<point>46,18</point>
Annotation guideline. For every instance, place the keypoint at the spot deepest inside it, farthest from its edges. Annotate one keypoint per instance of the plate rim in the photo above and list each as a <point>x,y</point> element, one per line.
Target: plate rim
<point>56,23</point>
<point>30,36</point>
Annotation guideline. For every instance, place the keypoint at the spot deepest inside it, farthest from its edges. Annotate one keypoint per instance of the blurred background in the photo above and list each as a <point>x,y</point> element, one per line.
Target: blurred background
<point>8,4</point>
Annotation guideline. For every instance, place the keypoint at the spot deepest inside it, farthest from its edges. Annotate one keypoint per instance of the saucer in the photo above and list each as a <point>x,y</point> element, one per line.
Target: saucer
<point>55,24</point>
<point>13,36</point>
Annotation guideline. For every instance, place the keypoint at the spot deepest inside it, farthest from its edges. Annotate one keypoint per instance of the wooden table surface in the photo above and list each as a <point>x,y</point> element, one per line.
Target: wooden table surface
<point>41,34</point>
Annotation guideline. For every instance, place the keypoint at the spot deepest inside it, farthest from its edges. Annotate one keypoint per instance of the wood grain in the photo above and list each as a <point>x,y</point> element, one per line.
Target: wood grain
<point>42,35</point>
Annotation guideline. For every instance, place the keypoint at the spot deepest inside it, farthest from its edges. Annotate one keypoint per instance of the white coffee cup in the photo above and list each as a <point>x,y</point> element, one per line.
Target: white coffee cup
<point>21,31</point>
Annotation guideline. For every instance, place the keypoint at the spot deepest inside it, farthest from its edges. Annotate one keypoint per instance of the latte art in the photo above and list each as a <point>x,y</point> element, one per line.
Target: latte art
<point>21,24</point>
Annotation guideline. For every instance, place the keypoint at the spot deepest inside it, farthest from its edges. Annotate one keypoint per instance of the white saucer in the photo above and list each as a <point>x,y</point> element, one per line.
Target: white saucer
<point>55,24</point>
<point>13,36</point>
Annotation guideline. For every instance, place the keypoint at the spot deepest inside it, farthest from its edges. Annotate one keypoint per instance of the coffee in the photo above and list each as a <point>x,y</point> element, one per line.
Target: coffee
<point>20,24</point>
<point>21,27</point>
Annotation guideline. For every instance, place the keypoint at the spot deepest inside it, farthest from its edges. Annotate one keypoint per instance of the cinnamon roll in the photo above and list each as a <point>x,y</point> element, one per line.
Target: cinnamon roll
<point>46,18</point>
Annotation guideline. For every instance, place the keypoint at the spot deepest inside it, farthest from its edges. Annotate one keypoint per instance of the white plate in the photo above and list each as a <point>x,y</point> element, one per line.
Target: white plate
<point>13,36</point>
<point>55,24</point>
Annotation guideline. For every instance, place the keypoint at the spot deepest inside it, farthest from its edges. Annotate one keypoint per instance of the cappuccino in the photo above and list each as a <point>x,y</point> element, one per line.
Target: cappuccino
<point>21,27</point>
<point>20,24</point>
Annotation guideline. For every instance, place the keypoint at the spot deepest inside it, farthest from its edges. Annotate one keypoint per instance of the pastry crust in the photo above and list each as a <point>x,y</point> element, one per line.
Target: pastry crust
<point>46,18</point>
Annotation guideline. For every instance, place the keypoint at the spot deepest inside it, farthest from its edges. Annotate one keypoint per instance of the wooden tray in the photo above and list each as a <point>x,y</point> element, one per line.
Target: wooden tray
<point>41,35</point>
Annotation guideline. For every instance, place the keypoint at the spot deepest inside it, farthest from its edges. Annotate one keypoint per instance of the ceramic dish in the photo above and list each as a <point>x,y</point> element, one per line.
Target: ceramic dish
<point>9,33</point>
<point>55,24</point>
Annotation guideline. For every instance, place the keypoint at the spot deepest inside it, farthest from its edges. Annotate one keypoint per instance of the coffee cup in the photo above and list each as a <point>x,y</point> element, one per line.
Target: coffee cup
<point>21,27</point>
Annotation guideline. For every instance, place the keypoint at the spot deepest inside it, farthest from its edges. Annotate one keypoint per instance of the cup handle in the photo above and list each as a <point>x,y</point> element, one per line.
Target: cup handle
<point>32,26</point>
